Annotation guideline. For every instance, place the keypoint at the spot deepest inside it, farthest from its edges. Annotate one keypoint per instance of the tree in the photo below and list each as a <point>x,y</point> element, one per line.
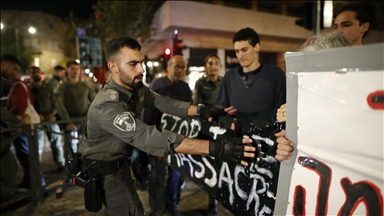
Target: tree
<point>125,18</point>
<point>9,46</point>
<point>111,19</point>
<point>68,30</point>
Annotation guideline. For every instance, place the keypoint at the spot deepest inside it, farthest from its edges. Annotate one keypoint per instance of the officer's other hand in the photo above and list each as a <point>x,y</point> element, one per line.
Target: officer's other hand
<point>284,147</point>
<point>228,148</point>
<point>281,113</point>
<point>213,112</point>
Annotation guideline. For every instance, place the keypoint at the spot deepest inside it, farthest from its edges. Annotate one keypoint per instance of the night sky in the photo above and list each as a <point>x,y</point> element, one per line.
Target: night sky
<point>81,9</point>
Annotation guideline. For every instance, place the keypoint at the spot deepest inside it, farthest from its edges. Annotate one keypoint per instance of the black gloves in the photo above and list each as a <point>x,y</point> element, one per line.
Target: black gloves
<point>227,147</point>
<point>210,111</point>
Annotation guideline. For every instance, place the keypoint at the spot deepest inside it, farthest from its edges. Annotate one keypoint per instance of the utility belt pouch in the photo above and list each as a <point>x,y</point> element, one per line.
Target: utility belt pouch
<point>93,195</point>
<point>80,181</point>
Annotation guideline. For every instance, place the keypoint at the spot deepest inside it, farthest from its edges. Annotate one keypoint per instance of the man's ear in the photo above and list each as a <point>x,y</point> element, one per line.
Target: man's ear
<point>257,48</point>
<point>113,67</point>
<point>365,27</point>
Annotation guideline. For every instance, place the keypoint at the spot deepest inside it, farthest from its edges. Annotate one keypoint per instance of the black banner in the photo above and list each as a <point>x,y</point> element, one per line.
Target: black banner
<point>243,190</point>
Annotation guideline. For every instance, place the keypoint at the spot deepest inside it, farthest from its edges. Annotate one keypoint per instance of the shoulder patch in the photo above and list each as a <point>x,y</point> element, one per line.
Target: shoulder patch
<point>112,95</point>
<point>125,122</point>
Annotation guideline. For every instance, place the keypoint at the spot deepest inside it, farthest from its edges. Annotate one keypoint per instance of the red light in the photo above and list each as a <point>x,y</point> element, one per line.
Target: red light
<point>167,51</point>
<point>97,16</point>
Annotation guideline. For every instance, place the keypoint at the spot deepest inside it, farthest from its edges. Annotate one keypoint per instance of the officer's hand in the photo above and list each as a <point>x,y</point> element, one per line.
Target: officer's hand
<point>281,113</point>
<point>284,147</point>
<point>228,148</point>
<point>213,112</point>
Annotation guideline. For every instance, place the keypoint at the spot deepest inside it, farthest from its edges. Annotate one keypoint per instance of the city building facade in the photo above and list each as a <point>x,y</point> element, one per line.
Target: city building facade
<point>44,43</point>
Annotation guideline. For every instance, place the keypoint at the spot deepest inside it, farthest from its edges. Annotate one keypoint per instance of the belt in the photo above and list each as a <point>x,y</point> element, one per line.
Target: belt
<point>105,167</point>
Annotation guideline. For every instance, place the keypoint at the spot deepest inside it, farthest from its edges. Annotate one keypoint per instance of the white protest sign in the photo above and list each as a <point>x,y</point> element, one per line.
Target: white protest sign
<point>336,119</point>
<point>340,144</point>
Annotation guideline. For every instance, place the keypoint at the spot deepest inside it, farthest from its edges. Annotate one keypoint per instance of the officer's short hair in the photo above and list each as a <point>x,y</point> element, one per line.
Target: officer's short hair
<point>113,47</point>
<point>58,67</point>
<point>69,63</point>
<point>247,34</point>
<point>11,59</point>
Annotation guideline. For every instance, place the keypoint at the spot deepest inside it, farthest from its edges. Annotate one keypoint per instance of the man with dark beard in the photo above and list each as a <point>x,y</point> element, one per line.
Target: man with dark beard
<point>114,128</point>
<point>174,87</point>
<point>44,106</point>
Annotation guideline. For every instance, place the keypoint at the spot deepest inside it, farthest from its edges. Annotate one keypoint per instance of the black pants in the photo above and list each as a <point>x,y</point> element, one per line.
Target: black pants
<point>121,197</point>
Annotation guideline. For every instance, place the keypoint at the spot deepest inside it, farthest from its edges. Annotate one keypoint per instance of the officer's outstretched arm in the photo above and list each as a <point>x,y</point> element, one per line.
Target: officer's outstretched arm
<point>225,148</point>
<point>210,111</point>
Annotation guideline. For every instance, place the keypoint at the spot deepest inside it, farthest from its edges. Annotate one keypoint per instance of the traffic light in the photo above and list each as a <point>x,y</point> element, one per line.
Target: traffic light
<point>178,46</point>
<point>167,51</point>
<point>167,55</point>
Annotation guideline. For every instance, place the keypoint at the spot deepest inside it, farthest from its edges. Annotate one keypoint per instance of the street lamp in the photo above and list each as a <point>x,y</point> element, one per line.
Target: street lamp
<point>31,30</point>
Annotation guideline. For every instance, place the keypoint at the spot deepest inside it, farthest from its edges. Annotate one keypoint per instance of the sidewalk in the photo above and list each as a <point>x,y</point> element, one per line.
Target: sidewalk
<point>194,200</point>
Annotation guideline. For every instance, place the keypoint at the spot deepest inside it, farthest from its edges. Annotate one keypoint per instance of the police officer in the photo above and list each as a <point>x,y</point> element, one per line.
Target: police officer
<point>114,127</point>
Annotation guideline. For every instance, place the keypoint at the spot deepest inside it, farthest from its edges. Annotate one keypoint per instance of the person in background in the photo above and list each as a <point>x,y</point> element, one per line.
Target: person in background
<point>173,87</point>
<point>205,93</point>
<point>207,87</point>
<point>58,75</point>
<point>354,21</point>
<point>9,64</point>
<point>44,106</point>
<point>17,103</point>
<point>326,40</point>
<point>255,89</point>
<point>72,99</point>
<point>8,162</point>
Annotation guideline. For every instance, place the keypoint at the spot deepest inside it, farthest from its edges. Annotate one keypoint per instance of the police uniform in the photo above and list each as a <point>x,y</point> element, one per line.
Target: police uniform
<point>206,91</point>
<point>114,128</point>
<point>71,102</point>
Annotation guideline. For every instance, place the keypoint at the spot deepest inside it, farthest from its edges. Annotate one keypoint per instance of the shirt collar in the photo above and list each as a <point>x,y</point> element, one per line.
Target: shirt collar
<point>207,79</point>
<point>119,88</point>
